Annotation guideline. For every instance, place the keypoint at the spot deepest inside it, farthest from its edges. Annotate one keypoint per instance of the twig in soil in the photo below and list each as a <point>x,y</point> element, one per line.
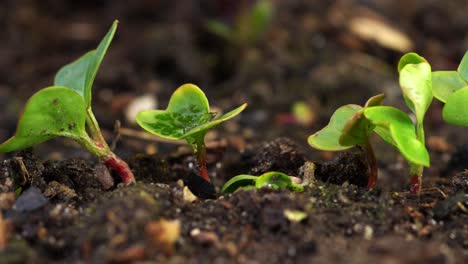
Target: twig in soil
<point>23,170</point>
<point>142,135</point>
<point>117,136</point>
<point>437,190</point>
<point>423,191</point>
<point>147,136</point>
<point>4,233</point>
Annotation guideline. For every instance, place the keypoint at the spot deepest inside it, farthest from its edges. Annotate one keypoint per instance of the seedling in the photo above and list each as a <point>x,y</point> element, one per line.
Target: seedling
<point>451,88</point>
<point>273,180</point>
<point>188,117</point>
<point>249,26</point>
<point>351,125</point>
<point>416,85</point>
<point>65,110</point>
<point>349,128</point>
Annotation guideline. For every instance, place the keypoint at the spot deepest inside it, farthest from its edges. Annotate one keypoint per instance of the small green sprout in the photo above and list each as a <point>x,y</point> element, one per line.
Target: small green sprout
<point>451,88</point>
<point>351,125</point>
<point>249,26</point>
<point>65,110</point>
<point>273,180</point>
<point>349,128</point>
<point>188,117</point>
<point>416,85</point>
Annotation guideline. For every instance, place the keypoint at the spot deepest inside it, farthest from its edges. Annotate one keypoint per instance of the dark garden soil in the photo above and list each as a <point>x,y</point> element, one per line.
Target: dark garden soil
<point>57,205</point>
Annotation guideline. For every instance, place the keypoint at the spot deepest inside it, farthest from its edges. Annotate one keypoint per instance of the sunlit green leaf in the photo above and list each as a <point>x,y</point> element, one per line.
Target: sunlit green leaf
<point>463,67</point>
<point>445,83</point>
<point>80,74</point>
<point>455,111</point>
<point>187,115</point>
<point>328,138</point>
<point>416,84</point>
<point>51,112</point>
<point>399,126</point>
<point>410,58</point>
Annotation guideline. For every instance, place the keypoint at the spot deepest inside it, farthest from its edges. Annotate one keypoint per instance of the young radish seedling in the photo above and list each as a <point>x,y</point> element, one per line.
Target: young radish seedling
<point>451,88</point>
<point>65,110</point>
<point>416,85</point>
<point>188,117</point>
<point>351,125</point>
<point>273,180</point>
<point>349,128</point>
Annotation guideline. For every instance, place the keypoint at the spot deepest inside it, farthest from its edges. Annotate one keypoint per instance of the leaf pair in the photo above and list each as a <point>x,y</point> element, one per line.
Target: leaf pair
<point>60,110</point>
<point>187,116</point>
<point>351,125</point>
<point>273,180</point>
<point>347,127</point>
<point>451,88</point>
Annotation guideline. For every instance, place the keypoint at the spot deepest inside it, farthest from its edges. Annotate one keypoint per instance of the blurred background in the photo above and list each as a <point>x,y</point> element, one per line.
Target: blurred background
<point>293,61</point>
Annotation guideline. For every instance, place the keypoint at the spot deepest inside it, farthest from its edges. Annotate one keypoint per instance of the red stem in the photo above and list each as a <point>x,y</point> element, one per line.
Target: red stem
<point>121,167</point>
<point>200,152</point>
<point>203,171</point>
<point>372,162</point>
<point>416,184</point>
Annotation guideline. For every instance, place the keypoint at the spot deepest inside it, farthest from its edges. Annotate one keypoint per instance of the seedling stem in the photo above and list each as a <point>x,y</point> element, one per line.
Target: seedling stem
<point>199,149</point>
<point>372,164</point>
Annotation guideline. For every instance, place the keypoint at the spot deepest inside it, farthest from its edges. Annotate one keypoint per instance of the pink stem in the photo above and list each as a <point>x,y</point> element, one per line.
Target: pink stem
<point>416,185</point>
<point>121,167</point>
<point>372,165</point>
<point>201,160</point>
<point>204,171</point>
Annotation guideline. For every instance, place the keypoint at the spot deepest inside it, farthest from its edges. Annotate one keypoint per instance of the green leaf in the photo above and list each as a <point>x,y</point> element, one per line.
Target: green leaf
<point>80,74</point>
<point>73,75</point>
<point>189,99</point>
<point>410,58</point>
<point>455,111</point>
<point>273,180</point>
<point>463,67</point>
<point>187,115</point>
<point>416,84</point>
<point>357,129</point>
<point>277,180</point>
<point>385,134</point>
<point>328,137</point>
<point>51,112</point>
<point>399,126</point>
<point>445,83</point>
<point>239,181</point>
<point>375,100</point>
<point>207,126</point>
